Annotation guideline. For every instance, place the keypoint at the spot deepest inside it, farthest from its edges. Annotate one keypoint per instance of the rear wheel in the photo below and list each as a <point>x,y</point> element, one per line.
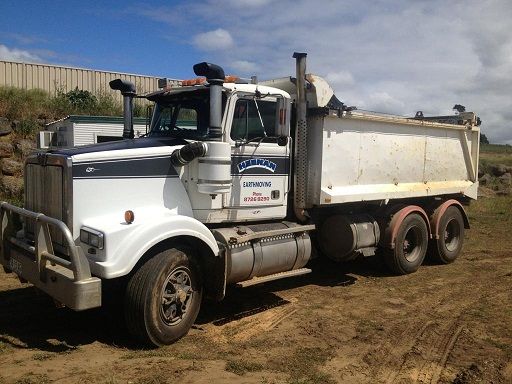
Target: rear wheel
<point>451,237</point>
<point>163,298</point>
<point>410,246</point>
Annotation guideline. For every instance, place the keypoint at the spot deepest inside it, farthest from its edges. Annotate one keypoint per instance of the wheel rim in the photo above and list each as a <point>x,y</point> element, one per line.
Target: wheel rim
<point>176,296</point>
<point>452,235</point>
<point>412,244</point>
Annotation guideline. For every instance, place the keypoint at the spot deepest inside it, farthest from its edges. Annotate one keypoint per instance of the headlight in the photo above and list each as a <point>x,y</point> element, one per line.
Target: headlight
<point>92,237</point>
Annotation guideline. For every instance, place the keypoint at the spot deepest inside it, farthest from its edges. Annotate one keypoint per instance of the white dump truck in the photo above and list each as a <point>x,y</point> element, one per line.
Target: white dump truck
<point>237,183</point>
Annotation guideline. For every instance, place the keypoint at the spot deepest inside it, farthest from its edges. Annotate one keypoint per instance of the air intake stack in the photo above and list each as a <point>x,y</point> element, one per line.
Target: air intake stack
<point>127,89</point>
<point>215,77</point>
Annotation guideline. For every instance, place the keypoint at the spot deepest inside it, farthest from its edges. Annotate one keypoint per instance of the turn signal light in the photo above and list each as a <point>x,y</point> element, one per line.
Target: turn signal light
<point>129,216</point>
<point>196,81</point>
<point>231,79</point>
<point>202,80</point>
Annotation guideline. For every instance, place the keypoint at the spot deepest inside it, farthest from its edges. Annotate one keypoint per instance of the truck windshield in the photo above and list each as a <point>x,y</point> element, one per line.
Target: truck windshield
<point>182,114</point>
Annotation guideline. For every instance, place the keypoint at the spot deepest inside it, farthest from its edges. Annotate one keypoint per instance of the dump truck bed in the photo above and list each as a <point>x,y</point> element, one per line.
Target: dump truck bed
<point>360,156</point>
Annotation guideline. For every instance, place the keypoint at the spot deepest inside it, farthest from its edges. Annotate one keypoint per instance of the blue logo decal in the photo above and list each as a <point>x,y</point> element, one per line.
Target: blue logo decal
<point>257,163</point>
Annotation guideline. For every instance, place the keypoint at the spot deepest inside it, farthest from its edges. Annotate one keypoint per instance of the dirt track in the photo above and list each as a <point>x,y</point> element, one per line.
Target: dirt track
<point>348,323</point>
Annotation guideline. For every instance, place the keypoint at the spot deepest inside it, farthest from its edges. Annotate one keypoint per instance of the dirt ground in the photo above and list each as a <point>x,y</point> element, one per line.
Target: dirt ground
<point>351,323</point>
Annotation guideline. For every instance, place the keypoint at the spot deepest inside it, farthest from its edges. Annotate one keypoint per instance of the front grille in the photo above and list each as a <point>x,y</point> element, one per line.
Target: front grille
<point>45,192</point>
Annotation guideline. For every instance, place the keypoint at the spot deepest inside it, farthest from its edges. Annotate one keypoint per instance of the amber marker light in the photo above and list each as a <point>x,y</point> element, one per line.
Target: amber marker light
<point>129,216</point>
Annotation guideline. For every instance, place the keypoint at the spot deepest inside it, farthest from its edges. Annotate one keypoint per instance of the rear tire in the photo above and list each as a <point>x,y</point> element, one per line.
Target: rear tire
<point>410,246</point>
<point>451,237</point>
<point>163,298</point>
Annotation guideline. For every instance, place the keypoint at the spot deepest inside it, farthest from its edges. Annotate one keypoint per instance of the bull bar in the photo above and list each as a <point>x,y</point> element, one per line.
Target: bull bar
<point>67,281</point>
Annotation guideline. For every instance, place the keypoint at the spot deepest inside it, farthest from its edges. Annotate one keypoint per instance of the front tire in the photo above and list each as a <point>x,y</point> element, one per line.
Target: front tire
<point>410,246</point>
<point>163,298</point>
<point>451,237</point>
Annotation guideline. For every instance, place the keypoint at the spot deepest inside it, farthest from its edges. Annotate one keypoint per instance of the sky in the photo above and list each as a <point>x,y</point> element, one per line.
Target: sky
<point>390,56</point>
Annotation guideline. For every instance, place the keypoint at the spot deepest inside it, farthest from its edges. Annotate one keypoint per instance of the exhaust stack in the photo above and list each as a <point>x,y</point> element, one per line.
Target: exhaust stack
<point>301,142</point>
<point>127,89</point>
<point>215,76</point>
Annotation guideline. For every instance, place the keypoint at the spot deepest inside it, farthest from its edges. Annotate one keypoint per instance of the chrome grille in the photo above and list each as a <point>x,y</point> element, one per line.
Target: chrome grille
<point>44,192</point>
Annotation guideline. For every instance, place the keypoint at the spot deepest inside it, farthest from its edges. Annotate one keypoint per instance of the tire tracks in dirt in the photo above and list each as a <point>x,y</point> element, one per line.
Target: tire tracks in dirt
<point>243,328</point>
<point>428,355</point>
<point>427,359</point>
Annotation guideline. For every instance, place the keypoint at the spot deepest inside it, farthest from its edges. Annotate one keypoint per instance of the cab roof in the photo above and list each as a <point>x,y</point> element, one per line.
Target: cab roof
<point>230,87</point>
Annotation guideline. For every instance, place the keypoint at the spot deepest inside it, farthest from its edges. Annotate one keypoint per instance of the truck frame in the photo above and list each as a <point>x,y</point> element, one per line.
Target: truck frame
<point>241,183</point>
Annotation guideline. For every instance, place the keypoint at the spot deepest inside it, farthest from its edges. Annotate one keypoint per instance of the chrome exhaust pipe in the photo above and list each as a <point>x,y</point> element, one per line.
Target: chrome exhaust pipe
<point>301,142</point>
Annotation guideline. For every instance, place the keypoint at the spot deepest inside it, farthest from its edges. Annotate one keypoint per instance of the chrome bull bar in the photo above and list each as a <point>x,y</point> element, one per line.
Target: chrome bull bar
<point>67,281</point>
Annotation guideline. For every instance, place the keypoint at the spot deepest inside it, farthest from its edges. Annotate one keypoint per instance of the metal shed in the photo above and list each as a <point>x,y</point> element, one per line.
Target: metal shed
<point>77,130</point>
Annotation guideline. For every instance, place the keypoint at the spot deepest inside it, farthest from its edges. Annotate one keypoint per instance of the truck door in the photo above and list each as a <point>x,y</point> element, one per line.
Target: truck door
<point>260,167</point>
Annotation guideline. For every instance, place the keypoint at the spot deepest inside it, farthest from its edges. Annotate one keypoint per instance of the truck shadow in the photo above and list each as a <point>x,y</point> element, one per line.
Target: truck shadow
<point>244,302</point>
<point>29,319</point>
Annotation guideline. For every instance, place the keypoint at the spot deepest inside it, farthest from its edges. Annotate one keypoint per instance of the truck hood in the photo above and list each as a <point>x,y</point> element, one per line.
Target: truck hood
<point>145,142</point>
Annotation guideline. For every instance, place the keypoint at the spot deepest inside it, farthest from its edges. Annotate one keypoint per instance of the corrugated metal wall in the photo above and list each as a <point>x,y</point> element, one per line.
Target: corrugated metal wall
<point>52,78</point>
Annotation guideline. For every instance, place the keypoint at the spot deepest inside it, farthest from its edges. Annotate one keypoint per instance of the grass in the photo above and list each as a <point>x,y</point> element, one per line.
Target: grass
<point>496,148</point>
<point>42,356</point>
<point>18,104</point>
<point>149,353</point>
<point>33,379</point>
<point>495,154</point>
<point>241,367</point>
<point>490,220</point>
<point>496,209</point>
<point>304,364</point>
<point>4,347</point>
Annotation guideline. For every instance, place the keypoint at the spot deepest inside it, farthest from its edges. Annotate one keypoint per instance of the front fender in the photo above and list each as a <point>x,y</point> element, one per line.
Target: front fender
<point>126,244</point>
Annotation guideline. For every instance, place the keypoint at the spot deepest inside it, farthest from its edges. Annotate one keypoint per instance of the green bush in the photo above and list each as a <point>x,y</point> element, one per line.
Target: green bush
<point>82,100</point>
<point>26,127</point>
<point>17,104</point>
<point>108,105</point>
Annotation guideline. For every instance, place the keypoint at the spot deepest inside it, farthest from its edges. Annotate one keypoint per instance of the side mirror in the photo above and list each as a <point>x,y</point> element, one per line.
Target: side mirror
<point>282,141</point>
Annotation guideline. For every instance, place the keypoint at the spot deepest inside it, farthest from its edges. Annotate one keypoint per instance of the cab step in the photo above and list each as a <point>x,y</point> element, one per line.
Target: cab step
<point>275,276</point>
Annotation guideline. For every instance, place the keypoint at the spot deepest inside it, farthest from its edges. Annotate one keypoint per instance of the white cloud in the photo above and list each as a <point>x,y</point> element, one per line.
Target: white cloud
<point>384,102</point>
<point>244,67</point>
<point>247,3</point>
<point>14,54</point>
<point>340,79</point>
<point>400,56</point>
<point>217,39</point>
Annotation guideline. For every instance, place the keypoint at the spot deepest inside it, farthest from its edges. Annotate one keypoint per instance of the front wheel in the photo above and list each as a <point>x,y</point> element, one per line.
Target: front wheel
<point>410,246</point>
<point>163,298</point>
<point>447,247</point>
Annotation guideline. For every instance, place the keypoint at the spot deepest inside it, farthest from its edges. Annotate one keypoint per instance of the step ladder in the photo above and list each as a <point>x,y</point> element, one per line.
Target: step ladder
<point>275,276</point>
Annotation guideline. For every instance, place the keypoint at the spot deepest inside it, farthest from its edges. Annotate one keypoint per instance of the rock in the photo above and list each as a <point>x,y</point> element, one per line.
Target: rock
<point>6,149</point>
<point>24,147</point>
<point>506,179</point>
<point>12,185</point>
<point>485,179</point>
<point>11,167</point>
<point>498,169</point>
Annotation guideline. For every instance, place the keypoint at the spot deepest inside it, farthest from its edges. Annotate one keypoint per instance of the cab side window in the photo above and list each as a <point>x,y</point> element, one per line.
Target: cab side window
<point>253,119</point>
